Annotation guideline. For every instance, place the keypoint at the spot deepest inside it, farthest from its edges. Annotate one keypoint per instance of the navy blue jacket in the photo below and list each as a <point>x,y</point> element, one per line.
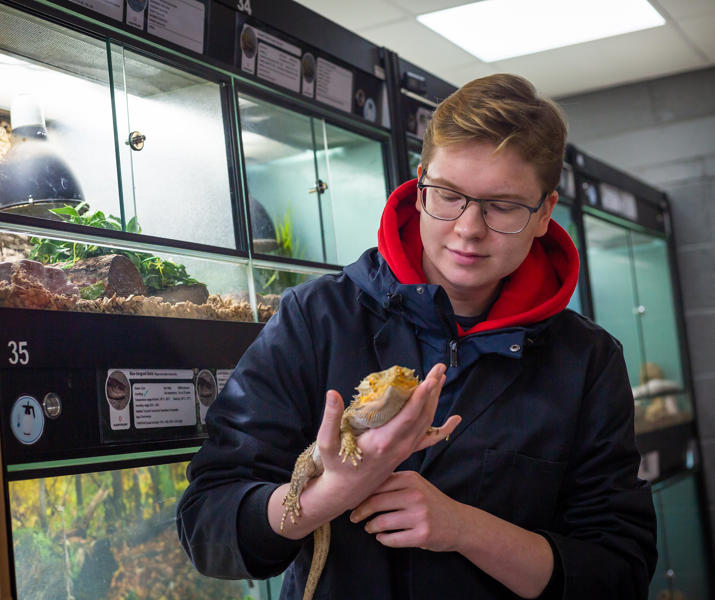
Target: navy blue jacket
<point>546,439</point>
<point>546,442</point>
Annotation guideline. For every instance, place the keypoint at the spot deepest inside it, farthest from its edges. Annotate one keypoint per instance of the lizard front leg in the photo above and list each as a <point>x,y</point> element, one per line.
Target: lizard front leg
<point>305,468</point>
<point>348,444</point>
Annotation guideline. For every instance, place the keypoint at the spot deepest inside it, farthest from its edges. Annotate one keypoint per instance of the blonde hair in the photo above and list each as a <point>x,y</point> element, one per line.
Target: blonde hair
<point>504,110</point>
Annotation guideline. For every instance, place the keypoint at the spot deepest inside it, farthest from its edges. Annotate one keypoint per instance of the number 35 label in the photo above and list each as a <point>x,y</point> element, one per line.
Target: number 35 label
<point>19,354</point>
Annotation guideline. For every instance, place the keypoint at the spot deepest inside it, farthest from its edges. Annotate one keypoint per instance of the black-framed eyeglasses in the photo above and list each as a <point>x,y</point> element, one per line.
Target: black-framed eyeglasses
<point>502,216</point>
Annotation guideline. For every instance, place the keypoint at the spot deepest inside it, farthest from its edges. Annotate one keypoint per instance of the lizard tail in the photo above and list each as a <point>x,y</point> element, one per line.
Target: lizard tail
<point>321,545</point>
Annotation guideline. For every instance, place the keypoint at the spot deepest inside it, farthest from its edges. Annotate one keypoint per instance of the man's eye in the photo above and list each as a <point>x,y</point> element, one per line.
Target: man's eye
<point>502,207</point>
<point>447,196</point>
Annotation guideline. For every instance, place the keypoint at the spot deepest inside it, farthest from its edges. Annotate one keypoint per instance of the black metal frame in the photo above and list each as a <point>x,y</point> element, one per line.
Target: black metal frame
<point>432,90</point>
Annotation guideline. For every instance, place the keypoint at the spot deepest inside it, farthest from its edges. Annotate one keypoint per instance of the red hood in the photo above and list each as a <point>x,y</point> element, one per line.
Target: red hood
<point>541,286</point>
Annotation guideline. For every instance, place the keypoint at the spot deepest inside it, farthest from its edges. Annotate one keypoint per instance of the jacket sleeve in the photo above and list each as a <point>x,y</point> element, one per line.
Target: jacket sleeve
<point>267,413</point>
<point>605,528</point>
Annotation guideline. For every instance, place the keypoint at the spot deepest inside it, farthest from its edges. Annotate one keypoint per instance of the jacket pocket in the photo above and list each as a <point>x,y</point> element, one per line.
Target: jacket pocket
<point>520,489</point>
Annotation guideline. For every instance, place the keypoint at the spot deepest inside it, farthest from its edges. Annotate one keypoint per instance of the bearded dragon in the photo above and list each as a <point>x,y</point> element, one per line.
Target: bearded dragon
<point>380,397</point>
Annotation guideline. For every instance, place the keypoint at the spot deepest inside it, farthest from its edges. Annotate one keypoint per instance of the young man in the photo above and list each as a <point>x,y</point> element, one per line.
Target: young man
<point>535,493</point>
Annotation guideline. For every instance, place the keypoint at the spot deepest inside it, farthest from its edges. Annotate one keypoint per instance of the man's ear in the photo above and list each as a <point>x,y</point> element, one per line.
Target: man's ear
<point>418,201</point>
<point>544,215</point>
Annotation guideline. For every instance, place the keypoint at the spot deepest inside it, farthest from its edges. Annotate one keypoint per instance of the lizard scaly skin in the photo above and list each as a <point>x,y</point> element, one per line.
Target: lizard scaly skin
<point>380,397</point>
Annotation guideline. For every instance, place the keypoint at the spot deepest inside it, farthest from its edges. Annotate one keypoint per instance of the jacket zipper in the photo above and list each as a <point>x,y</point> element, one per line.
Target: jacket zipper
<point>453,356</point>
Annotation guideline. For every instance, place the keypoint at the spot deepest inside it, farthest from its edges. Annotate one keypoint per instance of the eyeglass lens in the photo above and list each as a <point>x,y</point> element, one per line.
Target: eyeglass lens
<point>504,217</point>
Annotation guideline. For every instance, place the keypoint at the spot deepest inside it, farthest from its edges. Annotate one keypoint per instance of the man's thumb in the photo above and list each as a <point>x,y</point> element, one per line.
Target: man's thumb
<point>328,434</point>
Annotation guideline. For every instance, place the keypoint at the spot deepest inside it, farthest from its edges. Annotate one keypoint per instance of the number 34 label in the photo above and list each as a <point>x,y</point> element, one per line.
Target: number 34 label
<point>19,354</point>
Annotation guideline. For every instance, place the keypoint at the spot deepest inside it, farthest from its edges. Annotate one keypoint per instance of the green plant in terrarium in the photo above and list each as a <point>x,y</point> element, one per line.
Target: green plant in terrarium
<point>275,282</point>
<point>157,273</point>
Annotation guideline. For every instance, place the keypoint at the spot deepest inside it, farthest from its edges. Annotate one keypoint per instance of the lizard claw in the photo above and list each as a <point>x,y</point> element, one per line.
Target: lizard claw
<point>351,451</point>
<point>292,508</point>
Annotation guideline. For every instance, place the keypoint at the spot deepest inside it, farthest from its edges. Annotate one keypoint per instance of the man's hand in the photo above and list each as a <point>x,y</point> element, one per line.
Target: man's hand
<point>411,512</point>
<point>341,486</point>
<point>414,514</point>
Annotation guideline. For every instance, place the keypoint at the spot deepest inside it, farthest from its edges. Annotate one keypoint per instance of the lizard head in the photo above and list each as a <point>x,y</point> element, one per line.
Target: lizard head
<point>384,391</point>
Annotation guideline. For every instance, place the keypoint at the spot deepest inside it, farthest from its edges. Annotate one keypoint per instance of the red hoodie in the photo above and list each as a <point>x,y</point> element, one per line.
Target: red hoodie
<point>538,289</point>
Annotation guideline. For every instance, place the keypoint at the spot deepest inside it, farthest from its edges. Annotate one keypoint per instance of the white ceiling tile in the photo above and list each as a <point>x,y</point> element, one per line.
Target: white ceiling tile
<point>418,7</point>
<point>702,33</point>
<point>633,57</point>
<point>604,63</point>
<point>684,8</point>
<point>356,15</point>
<point>419,45</point>
<point>462,75</point>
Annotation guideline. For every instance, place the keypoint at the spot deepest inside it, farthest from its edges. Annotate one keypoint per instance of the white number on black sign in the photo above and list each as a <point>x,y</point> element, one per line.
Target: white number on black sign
<point>18,353</point>
<point>244,6</point>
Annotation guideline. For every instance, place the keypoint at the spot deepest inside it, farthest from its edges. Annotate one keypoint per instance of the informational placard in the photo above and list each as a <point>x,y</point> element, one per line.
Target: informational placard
<point>155,398</point>
<point>208,387</point>
<point>270,58</point>
<point>27,421</point>
<point>178,21</point>
<point>169,404</point>
<point>278,67</point>
<point>334,85</point>
<point>619,201</point>
<point>136,13</point>
<point>222,376</point>
<point>118,392</point>
<point>307,72</point>
<point>109,8</point>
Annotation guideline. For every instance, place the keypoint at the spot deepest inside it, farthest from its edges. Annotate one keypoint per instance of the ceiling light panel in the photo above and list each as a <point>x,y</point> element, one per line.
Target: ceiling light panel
<point>493,30</point>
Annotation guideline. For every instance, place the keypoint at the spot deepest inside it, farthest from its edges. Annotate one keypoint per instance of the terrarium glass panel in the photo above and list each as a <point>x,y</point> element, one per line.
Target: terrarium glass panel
<point>284,195</point>
<point>660,397</point>
<point>316,191</point>
<point>613,288</point>
<point>682,571</point>
<point>356,192</point>
<point>414,158</point>
<point>57,143</point>
<point>562,215</point>
<point>89,276</point>
<point>108,535</point>
<point>173,152</point>
<point>271,282</point>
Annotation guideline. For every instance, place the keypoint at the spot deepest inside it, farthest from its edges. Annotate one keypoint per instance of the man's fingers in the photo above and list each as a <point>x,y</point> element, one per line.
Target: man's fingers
<point>437,434</point>
<point>329,432</point>
<point>425,392</point>
<point>434,377</point>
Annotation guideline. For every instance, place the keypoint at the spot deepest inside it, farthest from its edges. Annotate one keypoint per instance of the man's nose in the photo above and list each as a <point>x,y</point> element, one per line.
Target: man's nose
<point>471,222</point>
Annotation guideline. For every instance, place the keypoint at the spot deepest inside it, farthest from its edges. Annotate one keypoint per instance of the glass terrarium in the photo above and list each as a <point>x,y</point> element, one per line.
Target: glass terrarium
<point>316,191</point>
<point>87,274</point>
<point>106,535</point>
<point>633,299</point>
<point>92,125</point>
<point>562,215</point>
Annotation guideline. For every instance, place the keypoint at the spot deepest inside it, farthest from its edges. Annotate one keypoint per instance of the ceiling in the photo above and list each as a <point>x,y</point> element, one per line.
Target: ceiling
<point>685,43</point>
